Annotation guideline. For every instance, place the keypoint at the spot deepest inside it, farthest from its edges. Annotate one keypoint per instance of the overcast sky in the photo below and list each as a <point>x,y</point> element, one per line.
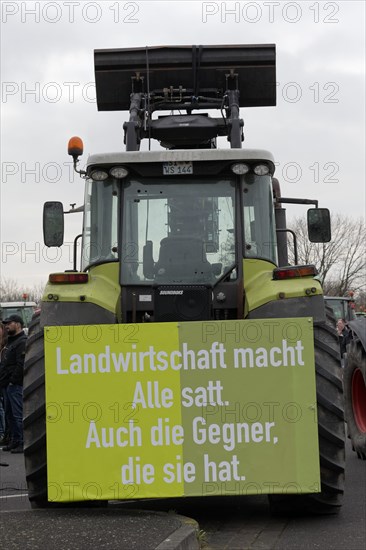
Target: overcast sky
<point>316,132</point>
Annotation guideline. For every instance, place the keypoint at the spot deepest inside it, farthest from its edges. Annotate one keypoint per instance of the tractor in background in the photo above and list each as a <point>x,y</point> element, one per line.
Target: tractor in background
<point>354,377</point>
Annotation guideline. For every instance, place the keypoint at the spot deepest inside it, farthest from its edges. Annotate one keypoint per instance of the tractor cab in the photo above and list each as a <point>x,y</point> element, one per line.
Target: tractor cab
<point>180,228</point>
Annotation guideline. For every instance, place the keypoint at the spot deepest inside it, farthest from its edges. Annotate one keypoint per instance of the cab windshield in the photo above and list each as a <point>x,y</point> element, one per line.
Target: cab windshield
<point>178,231</point>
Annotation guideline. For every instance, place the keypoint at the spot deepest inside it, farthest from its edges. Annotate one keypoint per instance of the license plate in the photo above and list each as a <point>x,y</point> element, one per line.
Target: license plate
<point>177,168</point>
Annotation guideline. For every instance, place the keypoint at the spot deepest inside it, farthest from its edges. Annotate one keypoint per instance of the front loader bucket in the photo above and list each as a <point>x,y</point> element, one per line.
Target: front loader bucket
<point>203,73</point>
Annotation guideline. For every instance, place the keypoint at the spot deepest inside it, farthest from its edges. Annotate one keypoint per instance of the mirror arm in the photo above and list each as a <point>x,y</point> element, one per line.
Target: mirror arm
<point>296,201</point>
<point>75,250</point>
<point>295,242</point>
<point>81,173</point>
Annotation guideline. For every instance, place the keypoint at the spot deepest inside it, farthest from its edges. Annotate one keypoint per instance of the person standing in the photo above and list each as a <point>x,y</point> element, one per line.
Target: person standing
<point>4,439</point>
<point>11,377</point>
<point>344,337</point>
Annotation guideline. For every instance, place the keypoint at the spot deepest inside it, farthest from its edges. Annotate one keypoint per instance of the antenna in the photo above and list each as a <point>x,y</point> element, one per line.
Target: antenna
<point>148,95</point>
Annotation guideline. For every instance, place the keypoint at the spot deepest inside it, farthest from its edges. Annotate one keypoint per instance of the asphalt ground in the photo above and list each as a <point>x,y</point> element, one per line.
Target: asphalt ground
<point>113,527</point>
<point>225,523</point>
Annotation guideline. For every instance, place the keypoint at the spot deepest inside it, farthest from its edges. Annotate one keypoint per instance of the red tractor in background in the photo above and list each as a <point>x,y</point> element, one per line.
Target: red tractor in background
<point>354,379</point>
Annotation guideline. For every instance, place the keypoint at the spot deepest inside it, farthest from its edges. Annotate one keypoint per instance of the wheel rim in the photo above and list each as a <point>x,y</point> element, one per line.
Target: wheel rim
<point>359,400</point>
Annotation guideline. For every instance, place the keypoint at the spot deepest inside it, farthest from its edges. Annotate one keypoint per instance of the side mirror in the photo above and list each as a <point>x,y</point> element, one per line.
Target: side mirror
<point>148,260</point>
<point>319,225</point>
<point>53,223</point>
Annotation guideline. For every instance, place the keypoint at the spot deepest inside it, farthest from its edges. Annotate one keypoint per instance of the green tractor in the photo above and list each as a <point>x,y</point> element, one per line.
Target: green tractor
<point>190,236</point>
<point>343,307</point>
<point>24,309</point>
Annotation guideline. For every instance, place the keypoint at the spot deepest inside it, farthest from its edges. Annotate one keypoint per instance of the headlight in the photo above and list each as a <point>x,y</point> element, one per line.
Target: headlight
<point>261,169</point>
<point>240,168</point>
<point>118,172</point>
<point>98,175</point>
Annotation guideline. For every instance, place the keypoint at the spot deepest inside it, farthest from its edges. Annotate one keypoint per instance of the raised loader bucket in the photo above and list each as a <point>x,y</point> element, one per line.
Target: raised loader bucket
<point>198,75</point>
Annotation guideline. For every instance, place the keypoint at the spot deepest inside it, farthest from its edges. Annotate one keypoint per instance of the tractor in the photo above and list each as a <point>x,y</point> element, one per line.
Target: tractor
<point>354,378</point>
<point>24,309</point>
<point>188,235</point>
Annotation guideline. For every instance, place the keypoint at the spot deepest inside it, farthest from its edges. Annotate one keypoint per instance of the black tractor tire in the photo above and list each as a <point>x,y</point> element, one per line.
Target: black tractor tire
<point>355,396</point>
<point>331,433</point>
<point>34,424</point>
<point>34,413</point>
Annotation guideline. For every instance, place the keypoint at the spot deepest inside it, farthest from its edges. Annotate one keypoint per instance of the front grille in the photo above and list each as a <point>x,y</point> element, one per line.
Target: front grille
<point>182,303</point>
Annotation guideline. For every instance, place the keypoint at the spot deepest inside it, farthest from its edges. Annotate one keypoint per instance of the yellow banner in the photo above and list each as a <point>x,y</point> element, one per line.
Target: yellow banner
<point>173,409</point>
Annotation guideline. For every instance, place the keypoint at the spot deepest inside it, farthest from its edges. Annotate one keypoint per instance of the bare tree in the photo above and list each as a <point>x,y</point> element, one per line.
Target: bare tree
<point>12,291</point>
<point>361,301</point>
<point>342,262</point>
